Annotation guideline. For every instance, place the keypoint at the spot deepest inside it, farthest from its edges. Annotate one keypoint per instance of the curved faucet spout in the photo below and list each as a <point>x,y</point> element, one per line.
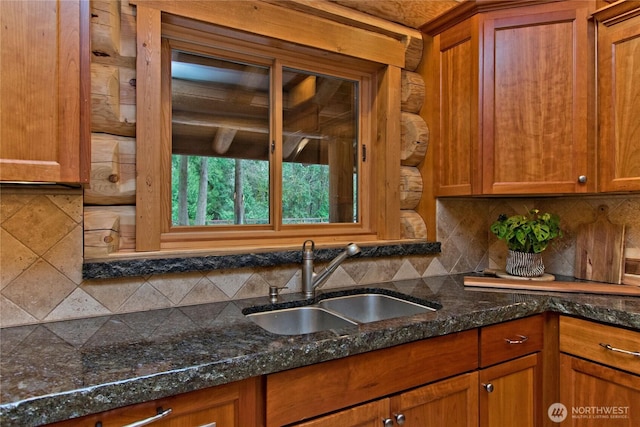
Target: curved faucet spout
<point>312,280</point>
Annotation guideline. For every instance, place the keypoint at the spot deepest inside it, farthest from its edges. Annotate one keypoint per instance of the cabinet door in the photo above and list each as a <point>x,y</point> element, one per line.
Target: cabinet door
<point>457,161</point>
<point>509,393</point>
<point>368,415</point>
<point>44,121</point>
<point>536,75</point>
<point>231,405</point>
<point>619,104</point>
<point>596,395</point>
<point>452,403</point>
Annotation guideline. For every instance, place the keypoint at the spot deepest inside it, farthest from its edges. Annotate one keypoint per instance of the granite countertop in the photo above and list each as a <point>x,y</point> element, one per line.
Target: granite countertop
<point>61,370</point>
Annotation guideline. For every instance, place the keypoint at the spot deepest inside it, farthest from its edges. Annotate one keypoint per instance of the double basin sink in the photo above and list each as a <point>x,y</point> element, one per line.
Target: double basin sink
<point>337,310</point>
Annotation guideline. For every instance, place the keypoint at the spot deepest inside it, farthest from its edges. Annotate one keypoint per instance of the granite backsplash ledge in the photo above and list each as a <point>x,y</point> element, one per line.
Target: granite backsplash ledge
<point>140,267</point>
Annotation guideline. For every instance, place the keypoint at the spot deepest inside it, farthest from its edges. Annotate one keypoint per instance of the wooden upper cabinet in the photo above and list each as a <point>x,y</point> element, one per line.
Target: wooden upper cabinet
<point>44,82</point>
<point>535,114</point>
<point>458,132</point>
<point>619,99</point>
<point>514,90</point>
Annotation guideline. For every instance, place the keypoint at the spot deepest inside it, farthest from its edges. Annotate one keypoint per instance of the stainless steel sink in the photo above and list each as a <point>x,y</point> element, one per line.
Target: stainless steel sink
<point>337,311</point>
<point>299,320</point>
<point>365,308</point>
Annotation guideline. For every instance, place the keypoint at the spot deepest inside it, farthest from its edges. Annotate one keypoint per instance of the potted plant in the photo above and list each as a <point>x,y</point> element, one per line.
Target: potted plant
<point>527,236</point>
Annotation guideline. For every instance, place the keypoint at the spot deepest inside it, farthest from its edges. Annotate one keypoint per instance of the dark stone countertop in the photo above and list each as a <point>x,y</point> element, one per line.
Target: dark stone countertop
<point>61,370</point>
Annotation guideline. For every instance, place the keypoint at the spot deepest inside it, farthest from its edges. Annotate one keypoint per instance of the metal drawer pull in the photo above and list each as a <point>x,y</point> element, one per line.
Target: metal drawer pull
<point>488,387</point>
<point>161,414</point>
<point>521,340</point>
<point>400,419</point>
<point>619,350</point>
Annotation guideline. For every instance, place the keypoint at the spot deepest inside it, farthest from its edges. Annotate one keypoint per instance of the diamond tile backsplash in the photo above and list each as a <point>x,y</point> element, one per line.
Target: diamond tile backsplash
<point>41,257</point>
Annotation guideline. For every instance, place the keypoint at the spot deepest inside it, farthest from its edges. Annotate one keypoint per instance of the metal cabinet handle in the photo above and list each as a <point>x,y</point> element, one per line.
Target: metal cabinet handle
<point>520,340</point>
<point>488,387</point>
<point>161,414</point>
<point>619,350</point>
<point>387,422</point>
<point>582,179</point>
<point>400,419</point>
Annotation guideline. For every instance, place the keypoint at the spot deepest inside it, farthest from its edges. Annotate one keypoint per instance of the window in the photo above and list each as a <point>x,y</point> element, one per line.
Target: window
<point>258,142</point>
<point>223,144</point>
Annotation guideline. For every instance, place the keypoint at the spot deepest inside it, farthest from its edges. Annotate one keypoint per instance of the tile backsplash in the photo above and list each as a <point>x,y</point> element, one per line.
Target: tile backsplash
<point>41,257</point>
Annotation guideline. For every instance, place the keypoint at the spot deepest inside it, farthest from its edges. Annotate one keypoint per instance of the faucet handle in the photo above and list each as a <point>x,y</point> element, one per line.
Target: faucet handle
<point>273,293</point>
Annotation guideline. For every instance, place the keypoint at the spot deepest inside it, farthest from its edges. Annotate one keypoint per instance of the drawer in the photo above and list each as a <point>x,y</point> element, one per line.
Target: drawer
<point>509,340</point>
<point>230,405</point>
<point>587,339</point>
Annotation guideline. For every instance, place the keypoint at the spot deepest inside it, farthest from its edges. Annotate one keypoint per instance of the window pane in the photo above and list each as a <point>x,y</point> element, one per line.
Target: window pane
<point>220,141</point>
<point>320,146</point>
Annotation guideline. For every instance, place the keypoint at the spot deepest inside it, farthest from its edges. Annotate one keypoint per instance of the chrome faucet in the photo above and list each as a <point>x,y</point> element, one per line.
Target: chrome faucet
<point>312,280</point>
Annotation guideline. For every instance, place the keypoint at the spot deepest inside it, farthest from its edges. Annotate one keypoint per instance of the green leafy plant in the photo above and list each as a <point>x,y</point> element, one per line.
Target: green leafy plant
<point>529,233</point>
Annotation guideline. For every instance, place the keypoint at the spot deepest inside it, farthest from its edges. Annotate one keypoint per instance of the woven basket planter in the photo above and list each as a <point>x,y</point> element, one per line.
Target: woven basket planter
<point>524,264</point>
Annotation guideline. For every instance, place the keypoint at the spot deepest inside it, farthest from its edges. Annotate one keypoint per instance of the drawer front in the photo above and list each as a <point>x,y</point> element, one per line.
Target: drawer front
<point>229,405</point>
<point>509,340</point>
<point>588,340</point>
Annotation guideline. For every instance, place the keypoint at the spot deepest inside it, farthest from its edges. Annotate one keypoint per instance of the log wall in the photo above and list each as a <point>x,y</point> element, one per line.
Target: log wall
<point>109,214</point>
<point>109,219</point>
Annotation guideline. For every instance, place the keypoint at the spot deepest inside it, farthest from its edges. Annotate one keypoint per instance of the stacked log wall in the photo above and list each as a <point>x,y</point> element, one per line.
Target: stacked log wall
<point>110,198</point>
<point>414,142</point>
<point>109,214</point>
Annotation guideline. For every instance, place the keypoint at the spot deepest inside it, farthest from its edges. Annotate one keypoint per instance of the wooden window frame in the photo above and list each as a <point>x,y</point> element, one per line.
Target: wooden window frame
<point>378,177</point>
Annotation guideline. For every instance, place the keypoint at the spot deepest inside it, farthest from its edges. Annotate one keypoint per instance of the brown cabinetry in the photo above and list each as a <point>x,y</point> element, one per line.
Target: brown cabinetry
<point>303,393</point>
<point>509,393</point>
<point>231,405</point>
<point>44,82</point>
<point>510,374</point>
<point>511,108</point>
<point>451,402</point>
<point>618,98</point>
<point>506,391</point>
<point>366,415</point>
<point>599,374</point>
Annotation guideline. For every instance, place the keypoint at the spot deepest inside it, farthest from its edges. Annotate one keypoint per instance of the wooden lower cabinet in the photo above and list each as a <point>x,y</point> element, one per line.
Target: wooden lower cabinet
<point>599,374</point>
<point>510,389</point>
<point>509,393</point>
<point>231,405</point>
<point>596,395</point>
<point>370,414</point>
<point>302,394</point>
<point>451,402</point>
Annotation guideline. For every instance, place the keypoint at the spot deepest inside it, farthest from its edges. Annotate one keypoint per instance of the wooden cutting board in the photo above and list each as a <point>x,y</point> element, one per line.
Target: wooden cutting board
<point>557,286</point>
<point>600,249</point>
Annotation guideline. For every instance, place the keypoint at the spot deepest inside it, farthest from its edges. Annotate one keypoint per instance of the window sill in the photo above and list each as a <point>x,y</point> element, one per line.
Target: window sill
<point>139,267</point>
